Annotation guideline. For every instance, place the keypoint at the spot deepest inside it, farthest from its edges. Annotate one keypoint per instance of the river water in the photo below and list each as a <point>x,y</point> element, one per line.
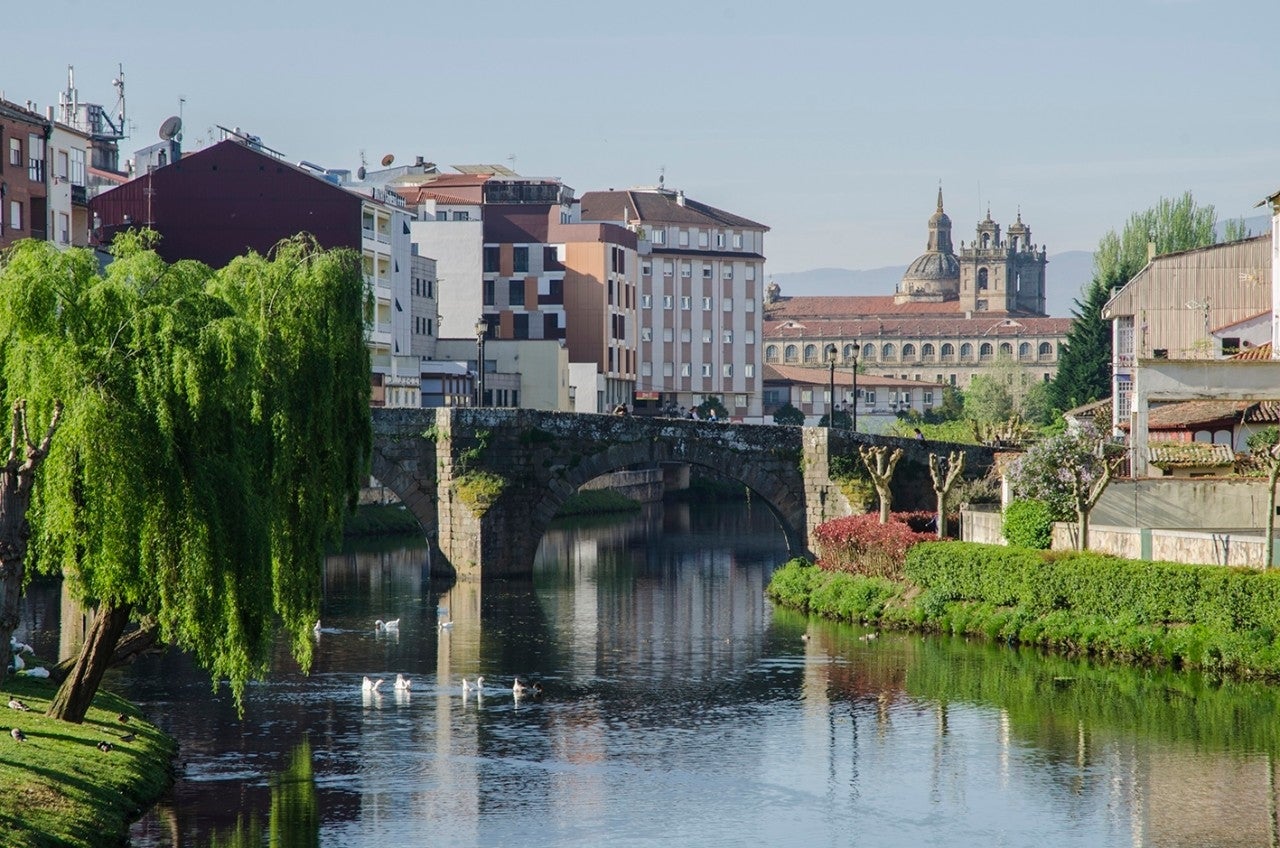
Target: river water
<point>681,708</point>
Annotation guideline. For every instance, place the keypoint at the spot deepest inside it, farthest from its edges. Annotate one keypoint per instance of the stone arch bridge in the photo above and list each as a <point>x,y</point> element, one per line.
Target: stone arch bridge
<point>489,481</point>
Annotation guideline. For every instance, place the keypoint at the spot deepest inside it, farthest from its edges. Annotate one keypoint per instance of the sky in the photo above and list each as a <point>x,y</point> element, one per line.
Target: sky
<point>832,123</point>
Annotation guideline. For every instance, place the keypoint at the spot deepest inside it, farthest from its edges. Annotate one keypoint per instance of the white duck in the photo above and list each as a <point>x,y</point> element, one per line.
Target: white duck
<point>370,685</point>
<point>394,624</point>
<point>473,687</point>
<point>446,625</point>
<point>403,683</point>
<point>519,689</point>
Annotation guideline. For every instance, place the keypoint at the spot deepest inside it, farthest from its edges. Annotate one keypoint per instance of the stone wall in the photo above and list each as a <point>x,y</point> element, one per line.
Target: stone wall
<point>982,523</point>
<point>1225,547</point>
<point>644,486</point>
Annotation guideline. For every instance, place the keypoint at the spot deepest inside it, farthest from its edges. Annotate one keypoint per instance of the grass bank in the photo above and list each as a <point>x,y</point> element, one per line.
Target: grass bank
<point>1223,621</point>
<point>597,502</point>
<point>59,787</point>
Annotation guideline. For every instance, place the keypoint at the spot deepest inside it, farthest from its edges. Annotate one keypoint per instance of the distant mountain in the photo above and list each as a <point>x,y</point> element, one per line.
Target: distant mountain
<point>1067,274</point>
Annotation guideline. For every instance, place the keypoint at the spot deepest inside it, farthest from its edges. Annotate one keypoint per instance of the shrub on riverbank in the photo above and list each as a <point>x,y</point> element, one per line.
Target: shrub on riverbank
<point>860,544</point>
<point>60,788</point>
<point>1222,620</point>
<point>597,502</point>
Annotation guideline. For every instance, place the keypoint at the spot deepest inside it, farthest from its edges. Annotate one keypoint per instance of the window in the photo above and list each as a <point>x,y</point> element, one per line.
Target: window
<point>520,260</point>
<point>726,271</point>
<point>646,369</point>
<point>771,353</point>
<point>62,165</point>
<point>666,369</point>
<point>706,335</point>
<point>35,158</point>
<point>515,292</point>
<point>982,279</point>
<point>667,301</point>
<point>749,336</point>
<point>702,238</point>
<point>793,353</point>
<point>727,369</point>
<point>77,167</point>
<point>908,351</point>
<point>728,336</point>
<point>810,353</point>
<point>706,304</point>
<point>750,272</point>
<point>749,370</point>
<point>658,236</point>
<point>749,304</point>
<point>488,292</point>
<point>15,152</point>
<point>686,370</point>
<point>719,241</point>
<point>728,304</point>
<point>461,215</point>
<point>64,228</point>
<point>646,301</point>
<point>948,352</point>
<point>15,215</point>
<point>888,352</point>
<point>985,352</point>
<point>1046,349</point>
<point>1024,350</point>
<point>1006,349</point>
<point>686,302</point>
<point>869,397</point>
<point>646,269</point>
<point>668,268</point>
<point>869,352</point>
<point>966,351</point>
<point>927,352</point>
<point>707,271</point>
<point>491,254</point>
<point>740,401</point>
<point>646,334</point>
<point>682,237</point>
<point>686,270</point>
<point>737,241</point>
<point>686,335</point>
<point>928,398</point>
<point>442,215</point>
<point>706,369</point>
<point>668,334</point>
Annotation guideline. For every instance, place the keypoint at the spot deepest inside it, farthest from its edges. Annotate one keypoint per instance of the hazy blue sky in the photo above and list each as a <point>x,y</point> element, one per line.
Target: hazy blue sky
<point>830,122</point>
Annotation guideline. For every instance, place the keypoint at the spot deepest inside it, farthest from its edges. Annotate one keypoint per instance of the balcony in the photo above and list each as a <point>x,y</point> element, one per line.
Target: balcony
<point>79,196</point>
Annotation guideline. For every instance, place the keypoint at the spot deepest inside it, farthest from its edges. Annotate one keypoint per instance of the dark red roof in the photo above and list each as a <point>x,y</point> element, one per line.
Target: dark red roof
<point>657,206</point>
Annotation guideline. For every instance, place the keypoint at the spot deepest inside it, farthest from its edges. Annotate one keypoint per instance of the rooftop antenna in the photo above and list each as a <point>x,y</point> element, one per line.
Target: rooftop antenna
<point>171,128</point>
<point>118,84</point>
<point>511,157</point>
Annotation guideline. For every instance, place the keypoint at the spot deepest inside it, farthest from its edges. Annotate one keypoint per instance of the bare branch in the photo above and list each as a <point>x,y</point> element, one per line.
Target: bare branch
<point>15,434</point>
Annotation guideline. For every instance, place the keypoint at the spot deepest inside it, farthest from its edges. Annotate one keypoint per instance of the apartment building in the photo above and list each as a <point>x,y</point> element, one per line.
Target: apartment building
<point>700,304</point>
<point>24,206</point>
<point>68,151</point>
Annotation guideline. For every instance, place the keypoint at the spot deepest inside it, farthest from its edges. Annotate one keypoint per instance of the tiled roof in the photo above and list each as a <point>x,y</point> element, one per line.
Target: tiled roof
<point>1263,412</point>
<point>1099,410</point>
<point>1245,320</point>
<point>1262,351</point>
<point>838,306</point>
<point>1179,416</point>
<point>656,206</point>
<point>821,376</point>
<point>1166,455</point>
<point>854,324</point>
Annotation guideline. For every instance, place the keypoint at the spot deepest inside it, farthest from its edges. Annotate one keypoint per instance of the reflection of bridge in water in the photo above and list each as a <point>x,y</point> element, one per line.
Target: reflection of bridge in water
<point>489,481</point>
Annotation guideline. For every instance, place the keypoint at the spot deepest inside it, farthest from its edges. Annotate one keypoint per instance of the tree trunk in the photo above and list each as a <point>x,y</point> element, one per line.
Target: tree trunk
<point>1082,527</point>
<point>886,501</point>
<point>74,696</point>
<point>131,646</point>
<point>942,515</point>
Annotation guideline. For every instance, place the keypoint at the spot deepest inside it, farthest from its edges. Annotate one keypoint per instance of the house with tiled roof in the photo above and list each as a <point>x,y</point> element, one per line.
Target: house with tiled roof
<point>955,315</point>
<point>818,391</point>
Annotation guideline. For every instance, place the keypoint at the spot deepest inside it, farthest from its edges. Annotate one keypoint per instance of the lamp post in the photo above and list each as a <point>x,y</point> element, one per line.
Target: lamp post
<point>856,349</point>
<point>481,329</point>
<point>831,397</point>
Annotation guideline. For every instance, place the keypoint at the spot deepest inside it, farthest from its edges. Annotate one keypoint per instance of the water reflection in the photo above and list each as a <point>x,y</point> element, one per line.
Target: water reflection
<point>681,708</point>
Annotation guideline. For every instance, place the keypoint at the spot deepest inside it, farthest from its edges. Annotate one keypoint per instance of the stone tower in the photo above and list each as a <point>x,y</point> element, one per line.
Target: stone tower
<point>1002,275</point>
<point>935,274</point>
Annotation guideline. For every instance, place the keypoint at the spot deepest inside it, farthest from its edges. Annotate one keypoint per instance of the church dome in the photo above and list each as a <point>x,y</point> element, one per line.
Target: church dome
<point>932,266</point>
<point>936,272</point>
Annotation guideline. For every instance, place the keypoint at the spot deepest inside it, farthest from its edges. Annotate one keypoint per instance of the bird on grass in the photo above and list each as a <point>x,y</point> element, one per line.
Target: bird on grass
<point>15,704</point>
<point>104,746</point>
<point>18,735</point>
<point>128,737</point>
<point>403,682</point>
<point>123,718</point>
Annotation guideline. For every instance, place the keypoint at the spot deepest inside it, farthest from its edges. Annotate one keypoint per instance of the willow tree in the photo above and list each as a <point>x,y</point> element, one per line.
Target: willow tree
<point>215,430</point>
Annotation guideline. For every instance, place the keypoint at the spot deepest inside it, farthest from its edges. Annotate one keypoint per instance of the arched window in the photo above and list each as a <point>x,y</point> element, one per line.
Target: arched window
<point>888,351</point>
<point>986,240</point>
<point>1024,350</point>
<point>927,351</point>
<point>908,351</point>
<point>848,353</point>
<point>793,353</point>
<point>1006,349</point>
<point>966,351</point>
<point>771,353</point>
<point>948,351</point>
<point>810,353</point>
<point>1046,349</point>
<point>869,352</point>
<point>984,352</point>
<point>982,275</point>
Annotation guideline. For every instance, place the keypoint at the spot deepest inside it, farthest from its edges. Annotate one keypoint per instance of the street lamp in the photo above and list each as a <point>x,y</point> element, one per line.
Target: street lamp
<point>856,348</point>
<point>481,330</point>
<point>831,398</point>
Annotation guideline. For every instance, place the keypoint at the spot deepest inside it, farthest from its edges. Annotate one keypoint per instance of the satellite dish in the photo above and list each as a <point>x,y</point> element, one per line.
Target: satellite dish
<point>360,173</point>
<point>387,160</point>
<point>171,127</point>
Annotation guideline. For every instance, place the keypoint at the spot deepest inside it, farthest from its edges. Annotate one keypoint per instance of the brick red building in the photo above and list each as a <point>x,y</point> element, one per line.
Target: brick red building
<point>24,191</point>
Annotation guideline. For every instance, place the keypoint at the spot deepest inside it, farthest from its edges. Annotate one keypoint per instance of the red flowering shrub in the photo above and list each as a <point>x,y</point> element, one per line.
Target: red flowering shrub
<point>860,544</point>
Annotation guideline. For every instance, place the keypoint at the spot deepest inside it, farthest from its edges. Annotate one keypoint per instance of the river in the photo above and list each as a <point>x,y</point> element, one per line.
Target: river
<point>681,708</point>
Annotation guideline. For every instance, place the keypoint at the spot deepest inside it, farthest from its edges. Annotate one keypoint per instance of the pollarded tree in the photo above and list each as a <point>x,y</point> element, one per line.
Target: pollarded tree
<point>216,427</point>
<point>880,465</point>
<point>944,474</point>
<point>1069,472</point>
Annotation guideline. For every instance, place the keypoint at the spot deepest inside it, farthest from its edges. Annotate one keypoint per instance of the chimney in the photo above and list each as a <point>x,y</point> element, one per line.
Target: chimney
<point>679,197</point>
<point>418,160</point>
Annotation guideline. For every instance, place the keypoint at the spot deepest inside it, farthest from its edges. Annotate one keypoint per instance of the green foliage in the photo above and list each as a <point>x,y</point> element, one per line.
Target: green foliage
<point>1235,229</point>
<point>1027,523</point>
<point>950,409</point>
<point>957,430</point>
<point>479,489</point>
<point>710,403</point>
<point>1084,368</point>
<point>216,431</point>
<point>470,456</point>
<point>1059,470</point>
<point>840,419</point>
<point>1263,440</point>
<point>987,400</point>
<point>788,414</point>
<point>597,501</point>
